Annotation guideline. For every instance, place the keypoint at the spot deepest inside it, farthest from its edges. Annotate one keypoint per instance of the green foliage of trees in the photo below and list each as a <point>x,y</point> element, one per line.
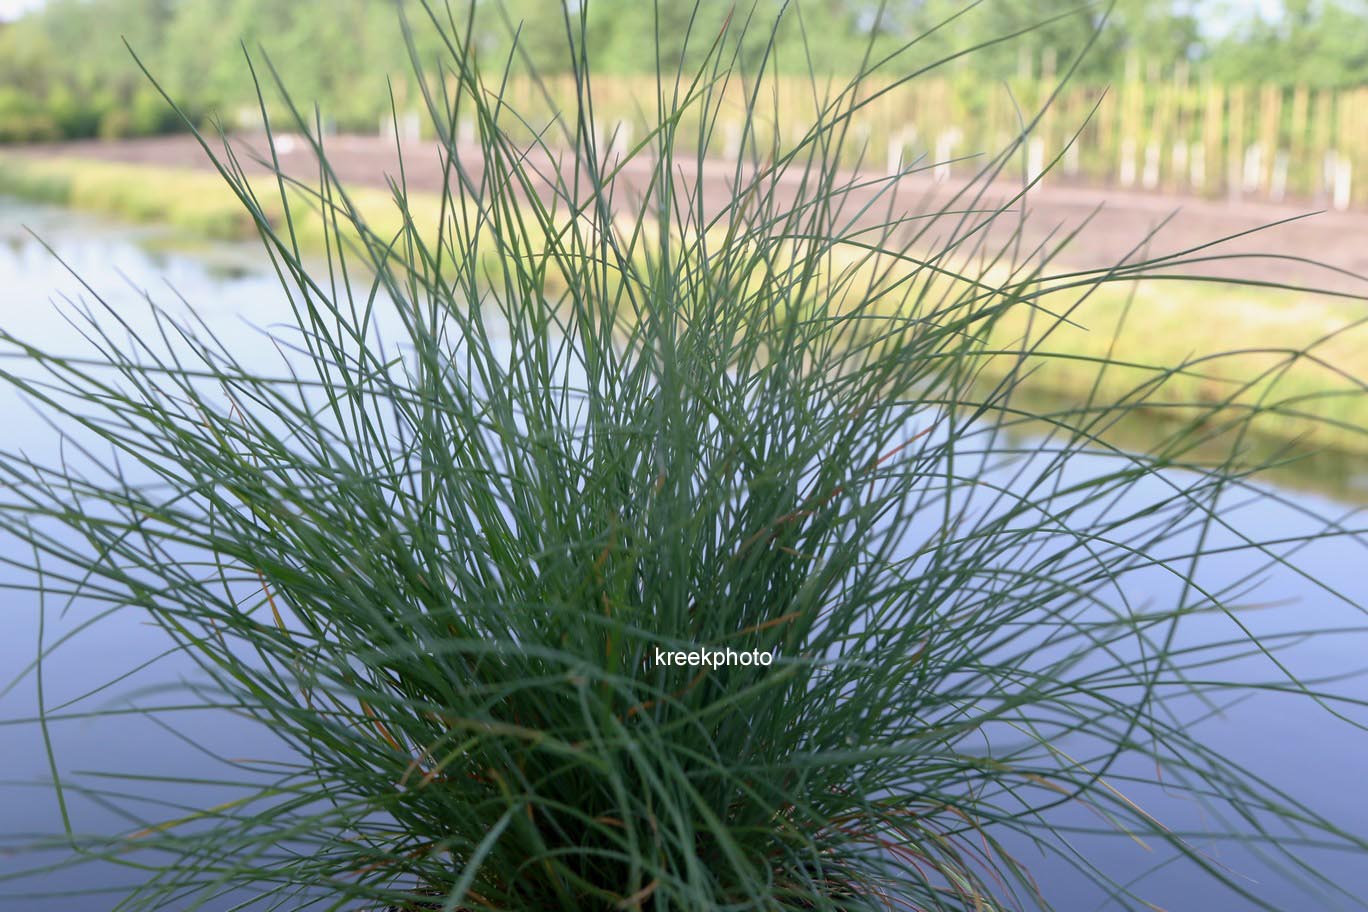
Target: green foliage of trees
<point>1321,43</point>
<point>836,35</point>
<point>65,71</point>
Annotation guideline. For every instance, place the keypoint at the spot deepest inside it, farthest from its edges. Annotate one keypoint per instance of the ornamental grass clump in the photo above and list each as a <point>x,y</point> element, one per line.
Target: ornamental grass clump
<point>607,401</point>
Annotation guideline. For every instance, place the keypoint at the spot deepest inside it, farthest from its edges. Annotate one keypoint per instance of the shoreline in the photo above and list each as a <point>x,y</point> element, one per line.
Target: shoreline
<point>1182,319</point>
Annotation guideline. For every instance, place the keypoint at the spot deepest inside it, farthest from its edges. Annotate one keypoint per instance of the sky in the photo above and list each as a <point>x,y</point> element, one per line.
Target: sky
<point>11,8</point>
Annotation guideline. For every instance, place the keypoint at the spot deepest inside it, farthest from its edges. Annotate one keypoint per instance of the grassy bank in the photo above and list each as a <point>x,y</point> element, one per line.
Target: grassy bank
<point>197,203</point>
<point>1296,355</point>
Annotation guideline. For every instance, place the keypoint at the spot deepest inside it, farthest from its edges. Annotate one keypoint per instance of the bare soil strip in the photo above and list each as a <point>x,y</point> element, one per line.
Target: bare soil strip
<point>1323,250</point>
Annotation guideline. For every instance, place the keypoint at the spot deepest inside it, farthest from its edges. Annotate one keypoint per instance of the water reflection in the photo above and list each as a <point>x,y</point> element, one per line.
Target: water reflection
<point>229,289</point>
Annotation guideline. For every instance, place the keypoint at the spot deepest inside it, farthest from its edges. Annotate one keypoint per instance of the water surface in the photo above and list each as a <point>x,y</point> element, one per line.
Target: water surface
<point>1317,758</point>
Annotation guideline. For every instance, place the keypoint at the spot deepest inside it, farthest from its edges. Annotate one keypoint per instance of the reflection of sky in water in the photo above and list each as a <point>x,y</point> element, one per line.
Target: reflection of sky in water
<point>1288,741</point>
<point>105,644</point>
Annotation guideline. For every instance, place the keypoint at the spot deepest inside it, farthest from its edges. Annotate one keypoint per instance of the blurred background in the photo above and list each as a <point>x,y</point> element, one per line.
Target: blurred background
<point>1143,128</point>
<point>1262,99</point>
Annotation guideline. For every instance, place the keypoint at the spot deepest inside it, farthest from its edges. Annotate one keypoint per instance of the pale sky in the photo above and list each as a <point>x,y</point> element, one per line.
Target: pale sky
<point>11,8</point>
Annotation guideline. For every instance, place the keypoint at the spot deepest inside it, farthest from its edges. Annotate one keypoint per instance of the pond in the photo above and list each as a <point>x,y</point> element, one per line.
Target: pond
<point>1317,758</point>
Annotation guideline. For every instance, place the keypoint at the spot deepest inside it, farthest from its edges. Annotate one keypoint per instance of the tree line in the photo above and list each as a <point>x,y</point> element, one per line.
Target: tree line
<point>65,70</point>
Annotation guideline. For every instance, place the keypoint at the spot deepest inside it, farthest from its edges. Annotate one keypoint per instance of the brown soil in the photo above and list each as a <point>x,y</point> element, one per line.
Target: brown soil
<point>1117,221</point>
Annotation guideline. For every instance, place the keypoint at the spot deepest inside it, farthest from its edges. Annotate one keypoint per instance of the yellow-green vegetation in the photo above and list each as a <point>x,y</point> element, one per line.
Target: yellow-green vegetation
<point>198,203</point>
<point>1302,356</point>
<point>1246,345</point>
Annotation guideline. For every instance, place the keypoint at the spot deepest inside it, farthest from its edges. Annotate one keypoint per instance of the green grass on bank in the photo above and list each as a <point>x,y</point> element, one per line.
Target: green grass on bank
<point>1297,352</point>
<point>197,203</point>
